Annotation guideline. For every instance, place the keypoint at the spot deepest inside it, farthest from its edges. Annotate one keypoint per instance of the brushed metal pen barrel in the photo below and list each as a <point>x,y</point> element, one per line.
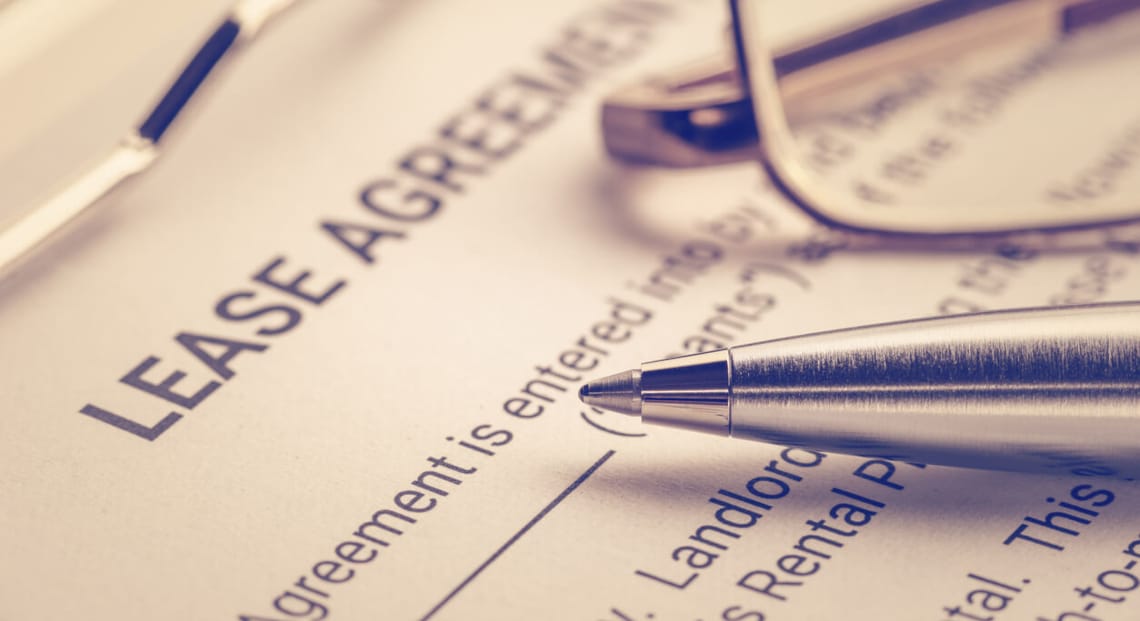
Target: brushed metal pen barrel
<point>1040,389</point>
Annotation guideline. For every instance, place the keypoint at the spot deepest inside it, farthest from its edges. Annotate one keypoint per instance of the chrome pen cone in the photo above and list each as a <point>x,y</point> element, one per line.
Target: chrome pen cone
<point>620,392</point>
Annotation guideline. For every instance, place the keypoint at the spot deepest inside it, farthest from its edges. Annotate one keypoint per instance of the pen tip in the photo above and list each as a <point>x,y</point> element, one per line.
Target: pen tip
<point>620,392</point>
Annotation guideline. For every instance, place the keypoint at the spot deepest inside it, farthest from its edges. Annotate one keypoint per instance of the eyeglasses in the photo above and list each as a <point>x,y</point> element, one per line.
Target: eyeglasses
<point>943,118</point>
<point>936,118</point>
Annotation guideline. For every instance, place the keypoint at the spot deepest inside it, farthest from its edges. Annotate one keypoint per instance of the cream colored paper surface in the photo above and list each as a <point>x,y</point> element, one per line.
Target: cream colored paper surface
<point>483,303</point>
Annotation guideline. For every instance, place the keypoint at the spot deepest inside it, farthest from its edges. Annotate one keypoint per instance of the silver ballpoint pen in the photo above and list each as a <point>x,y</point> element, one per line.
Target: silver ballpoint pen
<point>1054,389</point>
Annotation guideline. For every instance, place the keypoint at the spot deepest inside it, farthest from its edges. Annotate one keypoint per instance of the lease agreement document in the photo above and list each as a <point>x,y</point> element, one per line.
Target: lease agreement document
<point>322,362</point>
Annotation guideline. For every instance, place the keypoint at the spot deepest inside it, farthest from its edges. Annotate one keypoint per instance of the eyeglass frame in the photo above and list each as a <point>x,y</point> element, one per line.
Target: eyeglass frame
<point>724,110</point>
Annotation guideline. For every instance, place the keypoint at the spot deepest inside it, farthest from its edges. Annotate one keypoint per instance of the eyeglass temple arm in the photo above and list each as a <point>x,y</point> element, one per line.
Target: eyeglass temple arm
<point>700,114</point>
<point>139,148</point>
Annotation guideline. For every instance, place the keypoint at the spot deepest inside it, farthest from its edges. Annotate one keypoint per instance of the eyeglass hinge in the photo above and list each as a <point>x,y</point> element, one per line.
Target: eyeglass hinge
<point>694,115</point>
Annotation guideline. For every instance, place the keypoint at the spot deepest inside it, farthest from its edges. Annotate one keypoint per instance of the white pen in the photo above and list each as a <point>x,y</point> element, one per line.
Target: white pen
<point>1054,389</point>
